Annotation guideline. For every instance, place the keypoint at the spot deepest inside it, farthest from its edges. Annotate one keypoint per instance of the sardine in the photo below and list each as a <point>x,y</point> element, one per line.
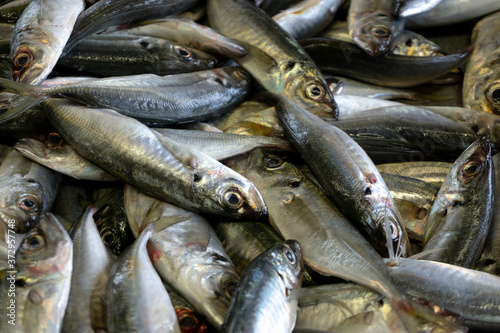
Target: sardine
<point>263,300</point>
<point>27,191</point>
<point>170,171</point>
<point>38,284</point>
<point>86,310</point>
<point>460,217</point>
<point>137,300</point>
<point>274,59</point>
<point>430,172</point>
<point>39,37</point>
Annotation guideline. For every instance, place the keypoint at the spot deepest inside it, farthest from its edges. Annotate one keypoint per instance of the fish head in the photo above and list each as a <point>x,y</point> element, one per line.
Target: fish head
<point>49,147</point>
<point>111,222</point>
<point>307,87</point>
<point>230,193</point>
<point>472,166</point>
<point>235,74</point>
<point>288,262</point>
<point>373,33</point>
<point>492,93</point>
<point>385,221</point>
<point>482,86</point>
<point>189,321</point>
<point>190,57</point>
<point>32,61</point>
<point>45,253</point>
<point>21,202</point>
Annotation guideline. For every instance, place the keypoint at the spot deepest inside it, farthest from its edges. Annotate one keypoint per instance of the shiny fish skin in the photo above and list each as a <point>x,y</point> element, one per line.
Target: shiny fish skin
<point>137,300</point>
<point>164,168</point>
<point>481,89</point>
<point>262,302</point>
<point>86,310</point>
<point>39,37</point>
<point>472,294</point>
<point>167,99</point>
<point>107,13</point>
<point>44,263</point>
<point>274,59</point>
<point>430,172</point>
<point>130,55</point>
<point>460,217</point>
<point>27,191</point>
<point>308,17</point>
<point>186,253</point>
<point>346,86</point>
<point>372,25</point>
<point>348,175</point>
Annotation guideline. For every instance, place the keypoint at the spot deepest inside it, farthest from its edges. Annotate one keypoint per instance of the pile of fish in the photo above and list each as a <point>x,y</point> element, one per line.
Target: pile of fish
<point>249,166</point>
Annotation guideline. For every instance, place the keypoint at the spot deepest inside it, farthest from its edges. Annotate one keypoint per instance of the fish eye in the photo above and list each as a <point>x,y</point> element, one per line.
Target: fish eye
<point>53,140</point>
<point>187,320</point>
<point>273,162</point>
<point>241,74</point>
<point>380,32</point>
<point>232,198</point>
<point>495,95</point>
<point>28,203</point>
<point>471,168</point>
<point>22,59</point>
<point>290,256</point>
<point>183,52</point>
<point>108,237</point>
<point>33,243</point>
<point>315,91</point>
<point>229,287</point>
<point>394,231</point>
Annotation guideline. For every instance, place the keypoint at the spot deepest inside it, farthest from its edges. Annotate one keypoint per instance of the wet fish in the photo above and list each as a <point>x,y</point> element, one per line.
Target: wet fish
<point>27,191</point>
<point>40,34</point>
<point>52,152</point>
<point>347,175</point>
<point>429,172</point>
<point>372,25</point>
<point>86,310</point>
<point>129,55</point>
<point>308,17</point>
<point>460,217</point>
<point>481,89</point>
<point>262,302</point>
<point>137,300</point>
<point>345,86</point>
<point>41,279</point>
<point>446,12</point>
<point>169,170</point>
<point>161,99</point>
<point>189,33</point>
<point>107,13</point>
<point>342,58</point>
<point>274,59</point>
<point>472,294</point>
<point>201,272</point>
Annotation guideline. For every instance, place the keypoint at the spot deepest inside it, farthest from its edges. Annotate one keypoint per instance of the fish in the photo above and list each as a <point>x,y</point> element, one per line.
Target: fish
<point>274,59</point>
<point>308,17</point>
<point>189,33</point>
<point>170,171</point>
<point>168,99</point>
<point>130,55</point>
<point>37,285</point>
<point>86,309</point>
<point>54,153</point>
<point>262,301</point>
<point>11,11</point>
<point>137,300</point>
<point>372,25</point>
<point>39,37</point>
<point>432,172</point>
<point>481,88</point>
<point>201,272</point>
<point>348,175</point>
<point>346,59</point>
<point>459,220</point>
<point>27,192</point>
<point>345,86</point>
<point>472,294</point>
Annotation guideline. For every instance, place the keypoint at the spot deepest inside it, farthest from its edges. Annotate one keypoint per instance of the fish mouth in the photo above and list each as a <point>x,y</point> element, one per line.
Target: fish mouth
<point>27,147</point>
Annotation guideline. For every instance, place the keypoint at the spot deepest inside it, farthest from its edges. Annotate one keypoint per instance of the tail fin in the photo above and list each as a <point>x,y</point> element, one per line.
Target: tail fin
<point>26,96</point>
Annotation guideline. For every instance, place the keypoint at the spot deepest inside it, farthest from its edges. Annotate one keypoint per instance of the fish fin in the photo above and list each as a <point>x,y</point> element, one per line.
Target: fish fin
<point>182,152</point>
<point>26,97</point>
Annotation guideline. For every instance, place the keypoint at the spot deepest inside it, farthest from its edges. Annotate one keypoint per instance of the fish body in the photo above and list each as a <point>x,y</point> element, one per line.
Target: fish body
<point>274,58</point>
<point>40,34</point>
<point>41,279</point>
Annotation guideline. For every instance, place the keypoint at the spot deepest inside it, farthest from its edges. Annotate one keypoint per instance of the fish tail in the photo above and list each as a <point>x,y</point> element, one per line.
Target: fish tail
<point>26,97</point>
<point>412,314</point>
